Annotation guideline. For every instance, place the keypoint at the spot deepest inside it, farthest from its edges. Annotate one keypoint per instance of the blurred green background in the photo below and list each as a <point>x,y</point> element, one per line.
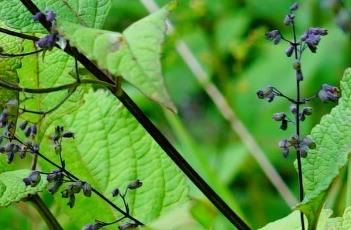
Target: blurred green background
<point>227,38</point>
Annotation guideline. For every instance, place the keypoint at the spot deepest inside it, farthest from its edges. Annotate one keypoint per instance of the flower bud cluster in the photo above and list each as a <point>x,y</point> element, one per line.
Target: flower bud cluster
<point>302,145</point>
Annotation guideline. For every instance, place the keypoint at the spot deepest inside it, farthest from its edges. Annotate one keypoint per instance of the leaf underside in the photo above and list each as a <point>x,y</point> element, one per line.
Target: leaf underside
<point>134,54</point>
<point>323,164</point>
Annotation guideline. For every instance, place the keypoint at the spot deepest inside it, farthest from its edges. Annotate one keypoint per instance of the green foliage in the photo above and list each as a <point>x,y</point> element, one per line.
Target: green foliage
<point>133,54</point>
<point>90,13</point>
<point>111,149</point>
<point>12,188</point>
<point>323,164</point>
<point>8,67</point>
<point>325,222</point>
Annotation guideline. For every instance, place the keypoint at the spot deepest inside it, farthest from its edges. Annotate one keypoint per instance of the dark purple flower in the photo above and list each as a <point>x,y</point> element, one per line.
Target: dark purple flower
<point>274,36</point>
<point>289,51</point>
<point>33,179</point>
<point>50,16</point>
<point>289,19</point>
<point>47,42</point>
<point>284,145</point>
<point>266,93</point>
<point>294,6</point>
<point>312,37</point>
<point>36,17</point>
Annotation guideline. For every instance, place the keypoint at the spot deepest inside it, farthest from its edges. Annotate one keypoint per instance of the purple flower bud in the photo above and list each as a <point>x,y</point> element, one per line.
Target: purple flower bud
<point>274,36</point>
<point>283,144</point>
<point>35,148</point>
<point>284,125</point>
<point>10,157</point>
<point>76,187</point>
<point>318,31</point>
<point>36,17</point>
<point>115,192</point>
<point>289,51</point>
<point>95,226</point>
<point>302,117</point>
<point>47,42</point>
<point>294,6</point>
<point>71,201</point>
<point>266,93</point>
<point>54,186</point>
<point>23,125</point>
<point>307,111</point>
<point>2,149</point>
<point>279,116</point>
<point>309,142</point>
<point>299,76</point>
<point>289,19</point>
<point>303,150</point>
<point>86,189</point>
<point>33,131</point>
<point>127,226</point>
<point>33,179</point>
<point>328,93</point>
<point>50,16</point>
<point>135,184</point>
<point>26,181</point>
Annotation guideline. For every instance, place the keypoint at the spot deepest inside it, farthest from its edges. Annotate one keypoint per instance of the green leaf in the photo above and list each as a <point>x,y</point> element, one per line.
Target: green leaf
<point>323,164</point>
<point>55,69</point>
<point>12,188</point>
<point>111,149</point>
<point>292,221</point>
<point>134,54</point>
<point>8,66</point>
<point>90,13</point>
<point>340,223</point>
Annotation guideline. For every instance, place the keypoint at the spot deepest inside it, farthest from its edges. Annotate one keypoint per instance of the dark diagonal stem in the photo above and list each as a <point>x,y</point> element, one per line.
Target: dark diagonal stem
<point>221,205</point>
<point>297,116</point>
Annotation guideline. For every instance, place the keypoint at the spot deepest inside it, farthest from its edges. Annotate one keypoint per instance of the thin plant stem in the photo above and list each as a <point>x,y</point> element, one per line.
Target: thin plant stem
<point>177,158</point>
<point>297,116</point>
<point>45,212</point>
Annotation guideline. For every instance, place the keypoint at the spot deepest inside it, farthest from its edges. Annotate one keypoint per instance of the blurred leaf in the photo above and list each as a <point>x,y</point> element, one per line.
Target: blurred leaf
<point>323,164</point>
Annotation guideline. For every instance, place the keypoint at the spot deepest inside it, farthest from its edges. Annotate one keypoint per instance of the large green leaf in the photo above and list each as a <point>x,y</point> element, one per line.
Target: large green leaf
<point>324,163</point>
<point>12,188</point>
<point>91,13</point>
<point>325,222</point>
<point>8,66</point>
<point>110,149</point>
<point>134,54</point>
